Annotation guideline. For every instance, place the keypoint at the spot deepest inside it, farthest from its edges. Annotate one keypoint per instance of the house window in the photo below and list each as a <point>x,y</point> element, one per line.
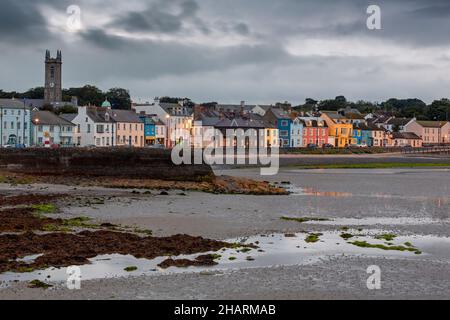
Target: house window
<point>88,128</point>
<point>284,133</point>
<point>284,123</point>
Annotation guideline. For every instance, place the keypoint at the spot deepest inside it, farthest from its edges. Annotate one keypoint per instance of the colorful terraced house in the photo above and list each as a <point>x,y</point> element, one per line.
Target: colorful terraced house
<point>340,128</point>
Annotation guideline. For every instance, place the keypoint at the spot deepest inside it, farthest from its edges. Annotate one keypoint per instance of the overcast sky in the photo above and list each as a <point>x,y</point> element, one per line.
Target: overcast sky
<point>260,51</point>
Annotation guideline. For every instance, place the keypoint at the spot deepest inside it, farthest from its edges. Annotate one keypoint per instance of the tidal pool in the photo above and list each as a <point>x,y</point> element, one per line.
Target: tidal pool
<point>273,250</point>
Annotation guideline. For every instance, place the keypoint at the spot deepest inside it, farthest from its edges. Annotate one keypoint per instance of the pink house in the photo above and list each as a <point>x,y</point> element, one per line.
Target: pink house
<point>431,132</point>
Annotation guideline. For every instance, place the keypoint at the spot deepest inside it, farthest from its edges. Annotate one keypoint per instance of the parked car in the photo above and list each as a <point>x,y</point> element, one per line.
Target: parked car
<point>312,146</point>
<point>327,146</point>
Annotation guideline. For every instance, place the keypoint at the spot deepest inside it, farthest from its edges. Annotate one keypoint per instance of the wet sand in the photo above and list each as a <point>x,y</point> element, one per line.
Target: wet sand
<point>375,199</point>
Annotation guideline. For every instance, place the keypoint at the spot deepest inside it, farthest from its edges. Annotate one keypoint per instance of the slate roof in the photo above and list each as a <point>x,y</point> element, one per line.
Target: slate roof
<point>432,124</point>
<point>13,104</point>
<point>398,121</point>
<point>68,116</point>
<point>127,116</point>
<point>240,123</point>
<point>98,114</point>
<point>405,135</point>
<point>280,114</point>
<point>170,108</point>
<point>49,118</point>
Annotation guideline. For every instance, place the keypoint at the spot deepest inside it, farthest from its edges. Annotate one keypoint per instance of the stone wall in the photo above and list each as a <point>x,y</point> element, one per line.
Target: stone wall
<point>98,162</point>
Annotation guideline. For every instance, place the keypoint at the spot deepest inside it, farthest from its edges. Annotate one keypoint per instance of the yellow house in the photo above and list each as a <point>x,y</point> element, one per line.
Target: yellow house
<point>340,128</point>
<point>129,128</point>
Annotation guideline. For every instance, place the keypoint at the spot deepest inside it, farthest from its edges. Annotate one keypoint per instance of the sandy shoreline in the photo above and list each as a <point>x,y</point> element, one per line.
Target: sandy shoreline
<point>417,195</point>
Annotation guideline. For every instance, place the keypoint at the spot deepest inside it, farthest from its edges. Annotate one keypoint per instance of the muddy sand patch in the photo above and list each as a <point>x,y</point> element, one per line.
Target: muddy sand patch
<point>220,185</point>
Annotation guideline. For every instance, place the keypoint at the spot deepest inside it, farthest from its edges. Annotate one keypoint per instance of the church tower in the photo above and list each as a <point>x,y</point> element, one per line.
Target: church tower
<point>53,78</point>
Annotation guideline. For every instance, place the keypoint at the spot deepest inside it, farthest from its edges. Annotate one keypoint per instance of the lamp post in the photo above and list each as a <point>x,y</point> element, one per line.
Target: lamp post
<point>36,121</point>
<point>169,142</point>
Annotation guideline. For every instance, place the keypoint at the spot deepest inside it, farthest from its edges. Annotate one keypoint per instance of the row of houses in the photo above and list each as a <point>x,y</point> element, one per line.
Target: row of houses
<point>167,124</point>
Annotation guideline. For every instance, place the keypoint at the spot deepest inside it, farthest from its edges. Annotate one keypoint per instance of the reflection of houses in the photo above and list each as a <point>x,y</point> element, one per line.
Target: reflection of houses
<point>50,129</point>
<point>406,139</point>
<point>15,120</point>
<point>431,132</point>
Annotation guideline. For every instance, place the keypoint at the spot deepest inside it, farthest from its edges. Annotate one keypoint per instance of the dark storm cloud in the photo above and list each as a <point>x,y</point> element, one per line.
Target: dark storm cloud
<point>21,22</point>
<point>157,18</point>
<point>252,46</point>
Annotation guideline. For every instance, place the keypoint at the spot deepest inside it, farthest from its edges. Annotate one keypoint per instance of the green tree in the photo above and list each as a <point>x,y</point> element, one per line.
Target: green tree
<point>119,98</point>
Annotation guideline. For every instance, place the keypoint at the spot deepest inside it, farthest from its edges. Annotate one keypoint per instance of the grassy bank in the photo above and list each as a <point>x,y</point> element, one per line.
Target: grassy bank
<point>376,165</point>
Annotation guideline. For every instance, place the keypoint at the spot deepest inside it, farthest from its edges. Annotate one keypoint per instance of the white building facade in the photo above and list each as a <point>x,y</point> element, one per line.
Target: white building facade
<point>15,120</point>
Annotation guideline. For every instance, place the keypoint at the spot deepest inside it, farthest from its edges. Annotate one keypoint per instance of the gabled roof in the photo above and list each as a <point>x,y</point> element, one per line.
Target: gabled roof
<point>366,127</point>
<point>280,114</point>
<point>98,114</point>
<point>49,118</point>
<point>13,104</point>
<point>240,123</point>
<point>398,121</point>
<point>68,116</point>
<point>432,124</point>
<point>405,135</point>
<point>171,109</point>
<point>127,116</point>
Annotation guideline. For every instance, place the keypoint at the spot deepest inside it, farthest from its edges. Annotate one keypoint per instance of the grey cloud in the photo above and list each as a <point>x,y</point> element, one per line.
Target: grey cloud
<point>156,18</point>
<point>21,22</point>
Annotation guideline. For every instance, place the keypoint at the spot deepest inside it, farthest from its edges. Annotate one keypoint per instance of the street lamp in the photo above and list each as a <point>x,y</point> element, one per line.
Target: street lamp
<point>168,131</point>
<point>35,130</point>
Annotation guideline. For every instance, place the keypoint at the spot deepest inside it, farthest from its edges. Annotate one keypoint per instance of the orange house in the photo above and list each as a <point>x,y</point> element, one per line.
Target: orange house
<point>339,128</point>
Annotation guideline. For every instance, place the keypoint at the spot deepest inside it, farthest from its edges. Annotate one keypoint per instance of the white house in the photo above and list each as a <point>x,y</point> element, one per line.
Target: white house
<point>94,127</point>
<point>15,120</point>
<point>49,129</point>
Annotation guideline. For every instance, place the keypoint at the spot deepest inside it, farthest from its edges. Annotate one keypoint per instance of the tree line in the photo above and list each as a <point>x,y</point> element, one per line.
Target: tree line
<point>88,94</point>
<point>401,108</point>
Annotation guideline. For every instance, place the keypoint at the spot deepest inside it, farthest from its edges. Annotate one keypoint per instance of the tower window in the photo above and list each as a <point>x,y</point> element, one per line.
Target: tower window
<point>52,72</point>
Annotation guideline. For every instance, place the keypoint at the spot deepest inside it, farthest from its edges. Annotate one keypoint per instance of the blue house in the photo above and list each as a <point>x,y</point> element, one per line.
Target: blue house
<point>362,135</point>
<point>296,133</point>
<point>282,120</point>
<point>149,129</point>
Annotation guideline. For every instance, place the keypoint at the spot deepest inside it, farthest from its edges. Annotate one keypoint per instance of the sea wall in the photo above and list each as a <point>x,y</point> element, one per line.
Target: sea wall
<point>98,162</point>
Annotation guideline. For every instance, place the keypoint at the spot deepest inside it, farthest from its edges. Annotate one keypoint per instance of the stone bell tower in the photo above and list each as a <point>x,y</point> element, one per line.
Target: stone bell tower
<point>53,78</point>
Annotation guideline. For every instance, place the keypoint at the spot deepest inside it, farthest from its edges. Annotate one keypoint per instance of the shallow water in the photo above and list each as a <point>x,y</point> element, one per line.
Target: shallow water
<point>273,250</point>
